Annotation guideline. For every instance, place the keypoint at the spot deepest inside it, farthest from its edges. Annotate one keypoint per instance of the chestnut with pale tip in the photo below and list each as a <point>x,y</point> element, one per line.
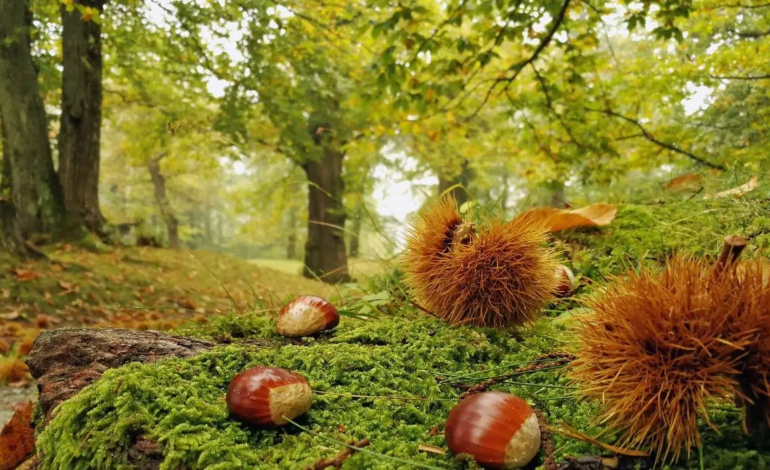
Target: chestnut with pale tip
<point>498,429</point>
<point>266,396</point>
<point>567,284</point>
<point>306,315</point>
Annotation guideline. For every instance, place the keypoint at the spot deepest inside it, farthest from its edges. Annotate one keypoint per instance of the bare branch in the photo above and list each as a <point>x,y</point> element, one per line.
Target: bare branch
<point>665,145</point>
<point>521,65</point>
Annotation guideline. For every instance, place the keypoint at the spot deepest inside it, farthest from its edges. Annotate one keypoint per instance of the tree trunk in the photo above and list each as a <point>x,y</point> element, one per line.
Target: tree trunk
<point>291,240</point>
<point>325,247</point>
<point>81,114</point>
<point>558,199</point>
<point>506,193</point>
<point>35,190</point>
<point>355,229</point>
<point>159,183</point>
<point>207,224</point>
<point>460,193</point>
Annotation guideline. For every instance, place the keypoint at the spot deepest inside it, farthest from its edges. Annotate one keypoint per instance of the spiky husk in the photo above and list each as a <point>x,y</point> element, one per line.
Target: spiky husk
<point>656,351</point>
<point>498,276</point>
<point>752,317</point>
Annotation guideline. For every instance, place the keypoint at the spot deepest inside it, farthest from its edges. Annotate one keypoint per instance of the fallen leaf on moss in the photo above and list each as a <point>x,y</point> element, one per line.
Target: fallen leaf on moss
<point>23,275</point>
<point>595,215</point>
<point>736,192</point>
<point>690,181</point>
<point>17,440</point>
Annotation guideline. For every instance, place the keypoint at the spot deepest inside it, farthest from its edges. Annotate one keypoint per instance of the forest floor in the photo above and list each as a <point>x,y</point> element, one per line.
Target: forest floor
<point>388,373</point>
<point>138,288</point>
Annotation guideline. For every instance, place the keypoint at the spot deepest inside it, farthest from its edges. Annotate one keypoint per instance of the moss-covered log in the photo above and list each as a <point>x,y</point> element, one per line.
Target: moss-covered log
<point>64,361</point>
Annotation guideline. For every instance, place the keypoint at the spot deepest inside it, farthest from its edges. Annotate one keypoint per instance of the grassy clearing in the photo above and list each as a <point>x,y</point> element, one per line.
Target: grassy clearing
<point>359,269</point>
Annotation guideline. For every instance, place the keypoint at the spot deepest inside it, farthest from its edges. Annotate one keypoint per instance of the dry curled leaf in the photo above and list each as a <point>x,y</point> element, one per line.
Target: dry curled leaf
<point>736,192</point>
<point>554,220</point>
<point>17,440</point>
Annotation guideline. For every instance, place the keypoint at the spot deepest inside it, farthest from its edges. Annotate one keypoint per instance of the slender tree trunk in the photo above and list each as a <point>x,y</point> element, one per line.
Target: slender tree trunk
<point>355,229</point>
<point>35,191</point>
<point>207,224</point>
<point>506,192</point>
<point>325,247</point>
<point>159,183</point>
<point>460,194</point>
<point>291,240</point>
<point>558,199</point>
<point>81,114</point>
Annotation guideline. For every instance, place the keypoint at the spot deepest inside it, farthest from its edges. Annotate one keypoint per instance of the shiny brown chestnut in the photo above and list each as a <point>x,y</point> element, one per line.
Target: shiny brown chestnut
<point>266,396</point>
<point>498,429</point>
<point>567,284</point>
<point>306,315</point>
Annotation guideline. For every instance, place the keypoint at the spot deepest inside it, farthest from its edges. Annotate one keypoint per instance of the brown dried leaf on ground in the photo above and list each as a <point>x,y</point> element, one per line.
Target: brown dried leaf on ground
<point>688,182</point>
<point>23,275</point>
<point>736,192</point>
<point>554,220</point>
<point>17,440</point>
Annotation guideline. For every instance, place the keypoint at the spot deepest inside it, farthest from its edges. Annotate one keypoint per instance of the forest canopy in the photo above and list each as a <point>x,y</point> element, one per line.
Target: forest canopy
<point>310,129</point>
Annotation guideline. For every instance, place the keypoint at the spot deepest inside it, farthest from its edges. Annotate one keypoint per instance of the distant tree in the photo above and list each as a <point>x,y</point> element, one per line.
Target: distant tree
<point>81,113</point>
<point>34,192</point>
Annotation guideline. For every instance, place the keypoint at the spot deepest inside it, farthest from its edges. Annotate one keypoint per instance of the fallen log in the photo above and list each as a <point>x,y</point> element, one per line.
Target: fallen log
<point>65,360</point>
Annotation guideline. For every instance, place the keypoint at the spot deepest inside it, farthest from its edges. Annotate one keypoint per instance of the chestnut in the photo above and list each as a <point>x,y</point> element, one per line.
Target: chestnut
<point>566,283</point>
<point>498,429</point>
<point>306,315</point>
<point>264,395</point>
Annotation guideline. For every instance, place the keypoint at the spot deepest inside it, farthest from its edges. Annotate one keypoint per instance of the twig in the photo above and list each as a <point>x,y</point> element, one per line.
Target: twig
<point>665,145</point>
<point>336,462</point>
<point>561,359</point>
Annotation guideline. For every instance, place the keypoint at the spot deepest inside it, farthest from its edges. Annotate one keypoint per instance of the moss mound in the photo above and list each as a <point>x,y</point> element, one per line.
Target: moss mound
<point>385,380</point>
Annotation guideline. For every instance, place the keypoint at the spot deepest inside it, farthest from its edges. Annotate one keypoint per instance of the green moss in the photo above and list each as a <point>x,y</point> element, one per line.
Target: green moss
<point>179,403</point>
<point>654,232</point>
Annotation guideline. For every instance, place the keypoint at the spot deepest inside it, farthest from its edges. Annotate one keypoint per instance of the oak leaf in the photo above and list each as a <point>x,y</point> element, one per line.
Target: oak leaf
<point>17,440</point>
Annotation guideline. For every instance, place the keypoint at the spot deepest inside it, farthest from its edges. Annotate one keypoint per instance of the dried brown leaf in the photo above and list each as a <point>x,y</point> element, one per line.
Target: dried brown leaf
<point>554,220</point>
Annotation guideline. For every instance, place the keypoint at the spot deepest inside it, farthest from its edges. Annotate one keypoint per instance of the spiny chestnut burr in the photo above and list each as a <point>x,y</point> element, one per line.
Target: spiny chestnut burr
<point>306,315</point>
<point>498,429</point>
<point>567,284</point>
<point>266,396</point>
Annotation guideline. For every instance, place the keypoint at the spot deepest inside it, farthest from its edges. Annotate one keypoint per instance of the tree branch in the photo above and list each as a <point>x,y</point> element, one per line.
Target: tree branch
<point>521,65</point>
<point>665,145</point>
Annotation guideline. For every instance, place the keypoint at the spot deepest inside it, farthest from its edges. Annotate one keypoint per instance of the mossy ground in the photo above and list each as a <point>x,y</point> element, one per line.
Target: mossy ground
<point>388,379</point>
<point>407,362</point>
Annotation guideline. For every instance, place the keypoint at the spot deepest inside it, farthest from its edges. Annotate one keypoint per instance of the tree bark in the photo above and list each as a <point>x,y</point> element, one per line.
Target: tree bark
<point>159,183</point>
<point>460,193</point>
<point>63,361</point>
<point>81,115</point>
<point>35,190</point>
<point>325,247</point>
